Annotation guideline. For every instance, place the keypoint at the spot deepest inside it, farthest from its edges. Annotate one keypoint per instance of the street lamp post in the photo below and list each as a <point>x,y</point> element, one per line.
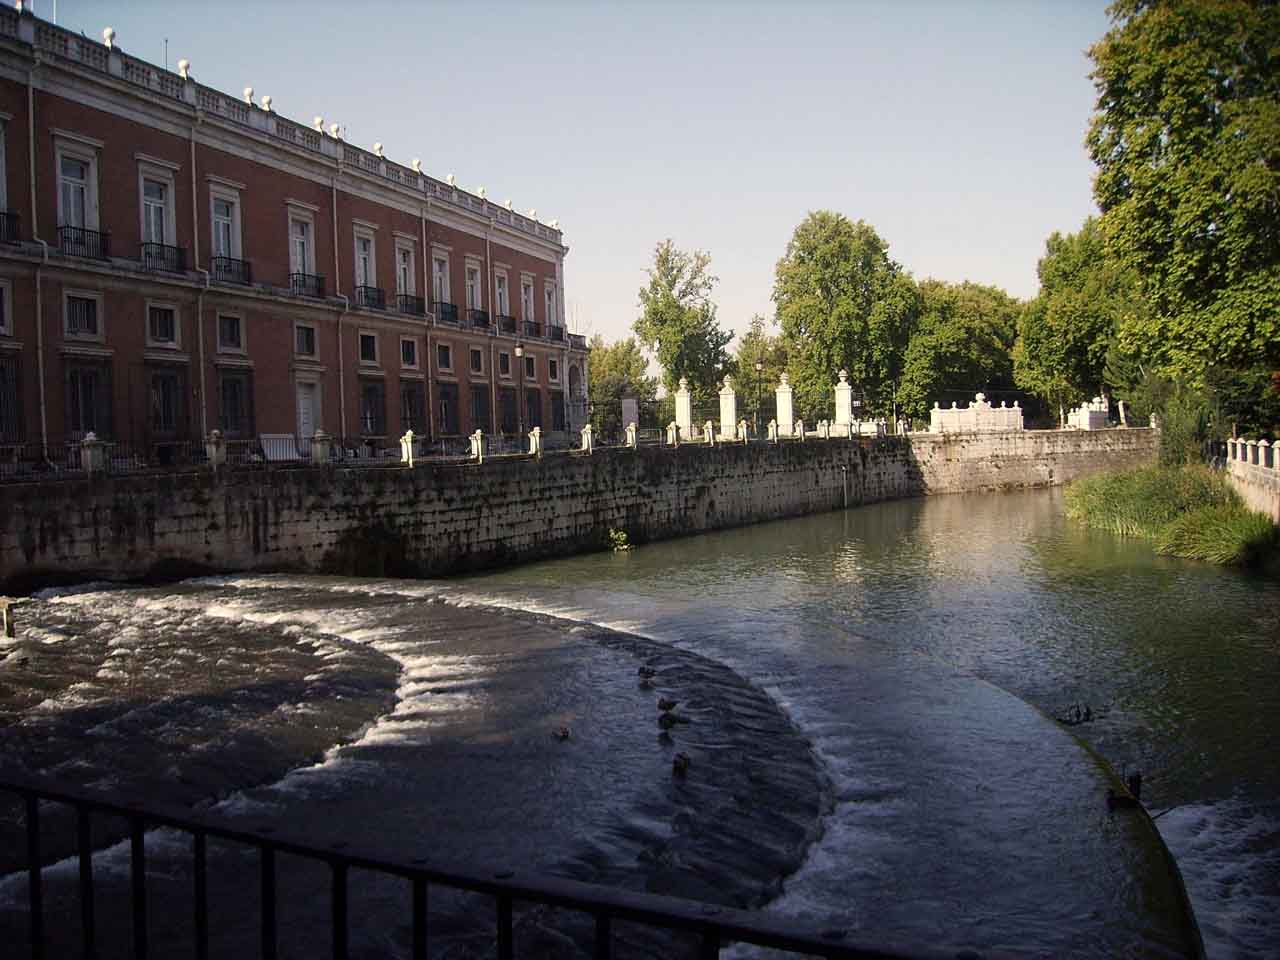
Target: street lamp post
<point>755,419</point>
<point>520,411</point>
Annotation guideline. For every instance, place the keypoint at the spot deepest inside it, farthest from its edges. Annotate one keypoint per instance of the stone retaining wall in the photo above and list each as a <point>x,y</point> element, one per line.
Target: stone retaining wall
<point>447,518</point>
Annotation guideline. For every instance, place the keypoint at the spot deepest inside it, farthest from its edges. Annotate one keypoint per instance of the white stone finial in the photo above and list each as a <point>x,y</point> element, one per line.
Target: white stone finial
<point>335,131</point>
<point>555,224</point>
<point>844,376</point>
<point>480,192</point>
<point>377,150</point>
<point>784,380</point>
<point>417,165</point>
<point>684,383</point>
<point>728,382</point>
<point>109,37</point>
<point>507,204</point>
<point>184,69</point>
<point>451,180</point>
<point>533,213</point>
<point>248,95</point>
<point>266,102</point>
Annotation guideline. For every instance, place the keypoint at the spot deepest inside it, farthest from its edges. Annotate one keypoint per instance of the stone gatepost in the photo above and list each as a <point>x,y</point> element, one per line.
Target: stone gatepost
<point>1251,453</point>
<point>1264,453</point>
<point>477,446</point>
<point>93,455</point>
<point>406,448</point>
<point>844,400</point>
<point>742,431</point>
<point>1016,420</point>
<point>633,435</point>
<point>710,430</point>
<point>588,441</point>
<point>684,410</point>
<point>535,441</point>
<point>673,434</point>
<point>935,418</point>
<point>1124,416</point>
<point>321,447</point>
<point>630,410</point>
<point>215,449</point>
<point>773,431</point>
<point>800,430</point>
<point>785,411</point>
<point>728,409</point>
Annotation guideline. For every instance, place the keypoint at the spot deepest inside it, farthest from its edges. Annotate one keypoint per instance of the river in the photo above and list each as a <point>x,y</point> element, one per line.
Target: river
<point>914,787</point>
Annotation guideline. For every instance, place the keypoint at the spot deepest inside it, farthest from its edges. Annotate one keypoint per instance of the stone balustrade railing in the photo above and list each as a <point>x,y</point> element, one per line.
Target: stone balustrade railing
<point>1258,453</point>
<point>978,417</point>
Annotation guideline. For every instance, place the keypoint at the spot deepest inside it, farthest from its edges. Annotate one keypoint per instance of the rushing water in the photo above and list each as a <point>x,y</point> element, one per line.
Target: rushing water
<point>919,647</point>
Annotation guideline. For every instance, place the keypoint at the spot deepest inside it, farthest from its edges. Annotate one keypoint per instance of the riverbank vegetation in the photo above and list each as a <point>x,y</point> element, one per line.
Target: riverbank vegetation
<point>1186,511</point>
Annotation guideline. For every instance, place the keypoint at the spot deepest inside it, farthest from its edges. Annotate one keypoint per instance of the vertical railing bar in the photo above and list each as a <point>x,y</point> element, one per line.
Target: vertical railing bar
<point>138,875</point>
<point>419,918</point>
<point>84,844</point>
<point>35,888</point>
<point>506,937</point>
<point>199,869</point>
<point>604,936</point>
<point>268,863</point>
<point>339,905</point>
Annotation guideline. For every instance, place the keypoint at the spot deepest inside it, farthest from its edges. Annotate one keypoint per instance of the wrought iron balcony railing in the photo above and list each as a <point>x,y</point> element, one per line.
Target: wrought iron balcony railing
<point>445,312</point>
<point>415,306</point>
<point>577,341</point>
<point>9,222</point>
<point>555,333</point>
<point>532,328</point>
<point>506,324</point>
<point>373,297</point>
<point>79,242</point>
<point>478,318</point>
<point>230,270</point>
<point>306,284</point>
<point>161,256</point>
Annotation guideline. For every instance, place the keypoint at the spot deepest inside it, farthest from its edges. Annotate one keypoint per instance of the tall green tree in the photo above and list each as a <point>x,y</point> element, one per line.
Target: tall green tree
<point>616,370</point>
<point>842,303</point>
<point>1186,136</point>
<point>757,345</point>
<point>1065,334</point>
<point>963,344</point>
<point>678,320</point>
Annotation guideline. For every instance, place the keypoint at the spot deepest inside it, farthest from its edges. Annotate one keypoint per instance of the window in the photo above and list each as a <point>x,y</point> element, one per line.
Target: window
<point>507,410</point>
<point>230,332</point>
<point>409,353</point>
<point>533,409</point>
<point>480,408</point>
<point>551,307</point>
<point>10,410</point>
<point>413,407</point>
<point>88,399</point>
<point>526,300</point>
<point>301,254</point>
<point>444,356</point>
<point>235,403</point>
<point>155,206</point>
<point>530,367</point>
<point>500,295</point>
<point>404,270</point>
<point>366,271</point>
<point>305,340</point>
<point>368,348</point>
<point>448,400</point>
<point>75,190</point>
<point>162,326</point>
<point>373,408</point>
<point>475,301</point>
<point>440,279</point>
<point>166,401</point>
<point>477,360</point>
<point>557,411</point>
<point>553,369</point>
<point>83,316</point>
<point>224,205</point>
<point>504,364</point>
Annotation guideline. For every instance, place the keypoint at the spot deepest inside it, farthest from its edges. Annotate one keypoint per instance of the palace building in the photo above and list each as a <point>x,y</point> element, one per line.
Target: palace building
<point>175,260</point>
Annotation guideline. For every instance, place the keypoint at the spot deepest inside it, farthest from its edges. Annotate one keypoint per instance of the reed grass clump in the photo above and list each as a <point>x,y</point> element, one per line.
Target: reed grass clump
<point>1187,511</point>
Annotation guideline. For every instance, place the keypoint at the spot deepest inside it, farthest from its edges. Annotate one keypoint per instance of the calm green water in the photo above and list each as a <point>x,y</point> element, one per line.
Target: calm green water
<point>879,628</point>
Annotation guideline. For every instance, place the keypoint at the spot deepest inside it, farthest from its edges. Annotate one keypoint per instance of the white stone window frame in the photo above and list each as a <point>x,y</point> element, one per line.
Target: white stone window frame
<point>510,374</point>
<point>243,349</point>
<point>297,212</point>
<point>162,172</point>
<point>474,374</point>
<point>402,244</point>
<point>87,151</point>
<point>550,302</point>
<point>6,307</point>
<point>176,343</point>
<point>441,254</point>
<point>448,344</point>
<point>377,347</point>
<point>67,295</point>
<point>530,359</point>
<point>361,230</point>
<point>476,264</point>
<point>224,191</point>
<point>417,353</point>
<point>529,308</point>
<point>315,339</point>
<point>500,273</point>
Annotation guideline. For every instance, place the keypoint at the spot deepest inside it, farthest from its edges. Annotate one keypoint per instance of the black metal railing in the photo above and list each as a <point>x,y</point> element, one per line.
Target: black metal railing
<point>712,926</point>
<point>306,285</point>
<point>231,270</point>
<point>578,340</point>
<point>478,318</point>
<point>79,242</point>
<point>406,303</point>
<point>9,224</point>
<point>555,333</point>
<point>445,312</point>
<point>506,324</point>
<point>372,297</point>
<point>532,328</point>
<point>161,256</point>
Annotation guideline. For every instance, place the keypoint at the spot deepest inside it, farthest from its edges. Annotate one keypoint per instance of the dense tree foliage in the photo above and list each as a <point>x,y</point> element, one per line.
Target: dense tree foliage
<point>1186,137</point>
<point>757,345</point>
<point>961,345</point>
<point>616,370</point>
<point>678,320</point>
<point>842,303</point>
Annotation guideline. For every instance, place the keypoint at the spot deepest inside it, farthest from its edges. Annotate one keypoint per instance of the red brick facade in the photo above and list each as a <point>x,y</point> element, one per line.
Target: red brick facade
<point>193,261</point>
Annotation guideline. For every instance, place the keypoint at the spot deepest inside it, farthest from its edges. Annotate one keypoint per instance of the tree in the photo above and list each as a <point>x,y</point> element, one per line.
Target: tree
<point>963,344</point>
<point>771,352</point>
<point>617,370</point>
<point>842,304</point>
<point>1064,335</point>
<point>1186,136</point>
<point>678,320</point>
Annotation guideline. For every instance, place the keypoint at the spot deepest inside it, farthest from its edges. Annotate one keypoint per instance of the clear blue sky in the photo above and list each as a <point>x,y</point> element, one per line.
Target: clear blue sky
<point>954,128</point>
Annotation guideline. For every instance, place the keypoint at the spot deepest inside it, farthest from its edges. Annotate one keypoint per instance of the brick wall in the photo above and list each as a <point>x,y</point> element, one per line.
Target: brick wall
<point>441,519</point>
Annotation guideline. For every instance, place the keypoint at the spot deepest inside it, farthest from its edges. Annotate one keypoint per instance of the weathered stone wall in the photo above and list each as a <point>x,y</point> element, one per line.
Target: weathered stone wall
<point>1258,486</point>
<point>446,518</point>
